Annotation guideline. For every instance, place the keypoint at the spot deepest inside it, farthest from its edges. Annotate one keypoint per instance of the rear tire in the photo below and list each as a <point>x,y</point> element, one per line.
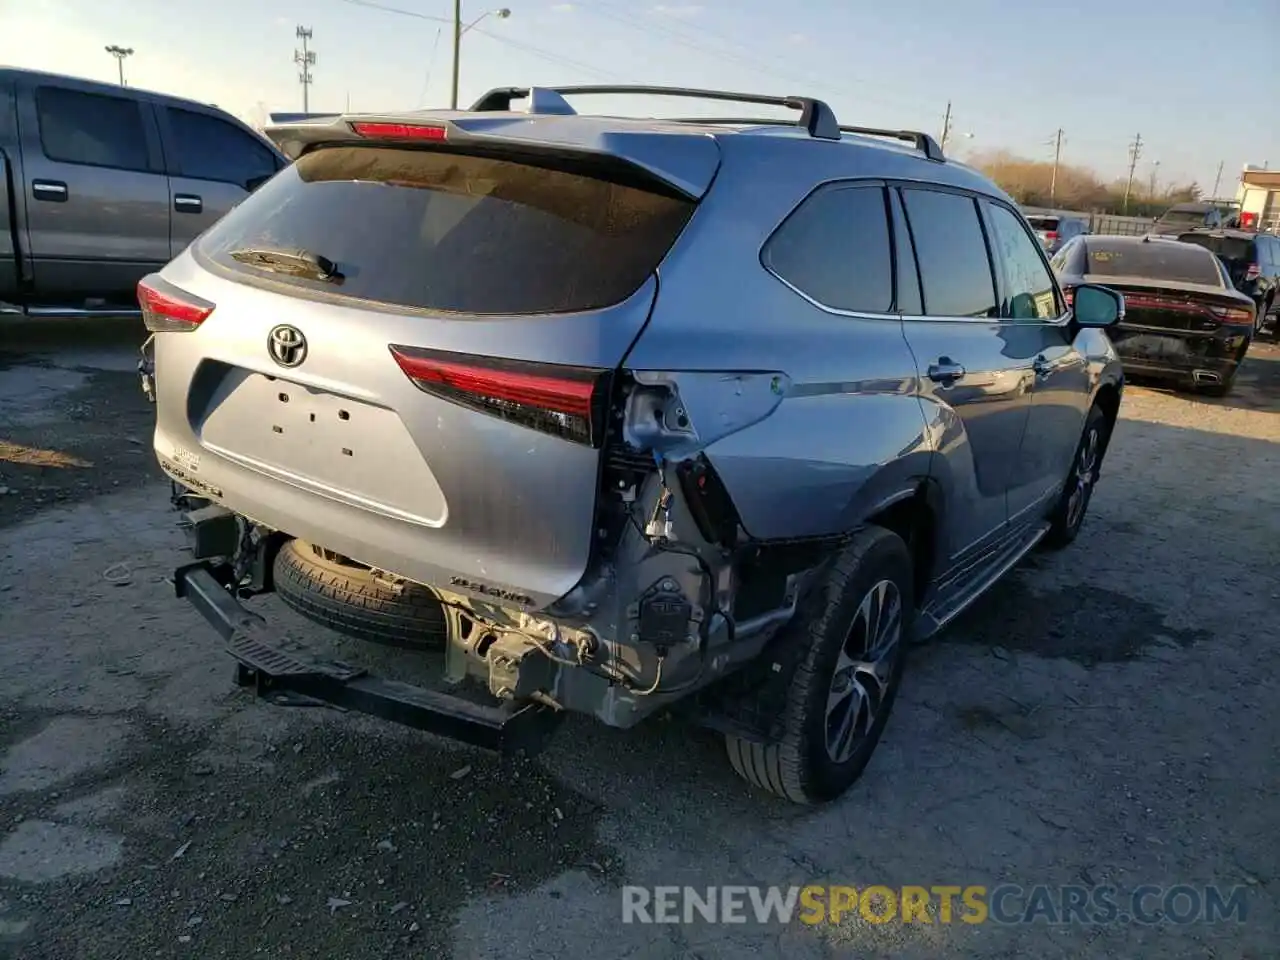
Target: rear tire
<point>850,642</point>
<point>348,600</point>
<point>1077,490</point>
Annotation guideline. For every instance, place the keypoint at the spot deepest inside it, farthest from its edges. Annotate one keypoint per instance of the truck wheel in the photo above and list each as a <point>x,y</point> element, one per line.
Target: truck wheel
<point>346,598</point>
<point>850,641</point>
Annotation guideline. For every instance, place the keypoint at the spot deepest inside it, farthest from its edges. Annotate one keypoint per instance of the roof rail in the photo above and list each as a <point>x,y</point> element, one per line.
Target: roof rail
<point>922,141</point>
<point>815,116</point>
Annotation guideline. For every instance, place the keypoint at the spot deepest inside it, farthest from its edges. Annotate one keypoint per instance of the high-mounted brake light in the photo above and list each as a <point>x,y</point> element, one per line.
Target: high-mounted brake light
<point>399,131</point>
<point>167,309</point>
<point>564,401</point>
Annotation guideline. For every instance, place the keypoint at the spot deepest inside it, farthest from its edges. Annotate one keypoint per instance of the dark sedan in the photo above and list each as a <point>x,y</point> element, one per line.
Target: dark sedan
<point>1184,320</point>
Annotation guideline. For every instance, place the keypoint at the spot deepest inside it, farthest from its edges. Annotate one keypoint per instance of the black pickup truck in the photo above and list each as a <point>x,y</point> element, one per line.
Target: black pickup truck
<point>101,184</point>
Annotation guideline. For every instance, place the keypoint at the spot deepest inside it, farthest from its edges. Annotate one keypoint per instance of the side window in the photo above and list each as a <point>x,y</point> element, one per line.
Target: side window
<point>212,149</point>
<point>909,302</point>
<point>955,274</point>
<point>834,247</point>
<point>91,128</point>
<point>1029,293</point>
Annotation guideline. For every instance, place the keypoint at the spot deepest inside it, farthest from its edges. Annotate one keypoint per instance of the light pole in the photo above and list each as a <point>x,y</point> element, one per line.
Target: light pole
<point>458,30</point>
<point>120,53</point>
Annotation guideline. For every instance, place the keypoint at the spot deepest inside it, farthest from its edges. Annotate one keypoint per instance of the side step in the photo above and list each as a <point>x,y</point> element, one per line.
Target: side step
<point>955,596</point>
<point>508,727</point>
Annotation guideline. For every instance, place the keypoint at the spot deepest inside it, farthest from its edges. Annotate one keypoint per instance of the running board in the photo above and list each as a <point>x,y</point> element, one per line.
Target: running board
<point>956,596</point>
<point>507,727</point>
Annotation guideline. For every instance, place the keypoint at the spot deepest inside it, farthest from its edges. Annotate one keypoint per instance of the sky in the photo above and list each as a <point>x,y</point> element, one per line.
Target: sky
<point>1177,72</point>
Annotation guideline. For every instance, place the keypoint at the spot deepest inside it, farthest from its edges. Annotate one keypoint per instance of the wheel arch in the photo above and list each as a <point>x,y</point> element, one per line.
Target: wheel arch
<point>1108,398</point>
<point>915,513</point>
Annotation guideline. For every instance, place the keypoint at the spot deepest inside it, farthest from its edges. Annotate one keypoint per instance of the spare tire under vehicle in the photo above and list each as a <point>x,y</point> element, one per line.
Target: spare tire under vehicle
<point>345,597</point>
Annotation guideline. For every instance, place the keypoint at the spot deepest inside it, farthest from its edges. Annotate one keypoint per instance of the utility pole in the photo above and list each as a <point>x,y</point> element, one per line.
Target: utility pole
<point>1057,156</point>
<point>305,59</point>
<point>1217,180</point>
<point>1135,151</point>
<point>120,53</point>
<point>946,127</point>
<point>457,50</point>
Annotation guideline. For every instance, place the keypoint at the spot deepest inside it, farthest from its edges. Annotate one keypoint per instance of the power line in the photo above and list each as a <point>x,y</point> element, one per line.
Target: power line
<point>548,55</point>
<point>435,46</point>
<point>305,59</point>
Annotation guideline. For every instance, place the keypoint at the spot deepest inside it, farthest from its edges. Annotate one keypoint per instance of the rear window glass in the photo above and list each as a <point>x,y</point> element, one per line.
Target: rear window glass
<point>1157,259</point>
<point>446,232</point>
<point>1229,248</point>
<point>1043,223</point>
<point>1184,216</point>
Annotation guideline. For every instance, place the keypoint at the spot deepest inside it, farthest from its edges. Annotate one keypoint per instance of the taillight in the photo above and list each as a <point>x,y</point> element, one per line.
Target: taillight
<point>567,402</point>
<point>1252,272</point>
<point>168,309</point>
<point>399,131</point>
<point>1051,235</point>
<point>1236,316</point>
<point>1069,295</point>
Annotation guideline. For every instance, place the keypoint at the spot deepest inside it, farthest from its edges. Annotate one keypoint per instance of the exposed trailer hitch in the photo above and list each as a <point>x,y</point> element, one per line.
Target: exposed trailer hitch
<point>509,727</point>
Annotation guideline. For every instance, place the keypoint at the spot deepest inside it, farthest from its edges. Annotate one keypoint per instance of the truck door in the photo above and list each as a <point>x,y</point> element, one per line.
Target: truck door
<point>94,190</point>
<point>213,165</point>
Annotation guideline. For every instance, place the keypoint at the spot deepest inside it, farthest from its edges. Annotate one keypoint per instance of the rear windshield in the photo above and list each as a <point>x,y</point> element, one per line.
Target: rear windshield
<point>1043,223</point>
<point>1235,249</point>
<point>1184,216</point>
<point>1157,260</point>
<point>445,232</point>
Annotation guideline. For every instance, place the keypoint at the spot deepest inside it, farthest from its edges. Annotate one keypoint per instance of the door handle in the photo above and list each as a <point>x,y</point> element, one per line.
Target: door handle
<point>187,203</point>
<point>54,191</point>
<point>1041,366</point>
<point>946,371</point>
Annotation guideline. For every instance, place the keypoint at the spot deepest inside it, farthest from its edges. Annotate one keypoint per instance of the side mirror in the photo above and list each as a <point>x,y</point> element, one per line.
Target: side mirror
<point>1097,306</point>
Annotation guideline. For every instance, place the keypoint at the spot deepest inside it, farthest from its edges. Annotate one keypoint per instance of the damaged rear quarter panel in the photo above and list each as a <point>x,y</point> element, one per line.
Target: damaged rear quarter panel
<point>847,432</point>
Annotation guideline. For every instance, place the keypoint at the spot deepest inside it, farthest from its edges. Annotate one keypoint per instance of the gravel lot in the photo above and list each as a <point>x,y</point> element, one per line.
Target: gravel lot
<point>1105,716</point>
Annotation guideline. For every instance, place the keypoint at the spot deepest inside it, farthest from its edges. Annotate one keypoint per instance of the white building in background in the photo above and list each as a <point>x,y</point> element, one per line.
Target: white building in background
<point>1259,198</point>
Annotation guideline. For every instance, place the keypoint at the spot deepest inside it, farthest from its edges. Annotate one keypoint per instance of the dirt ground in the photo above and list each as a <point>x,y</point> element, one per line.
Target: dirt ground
<point>1106,715</point>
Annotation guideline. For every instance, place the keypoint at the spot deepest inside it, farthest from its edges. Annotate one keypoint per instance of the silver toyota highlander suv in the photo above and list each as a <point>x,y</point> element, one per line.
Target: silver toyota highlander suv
<point>717,411</point>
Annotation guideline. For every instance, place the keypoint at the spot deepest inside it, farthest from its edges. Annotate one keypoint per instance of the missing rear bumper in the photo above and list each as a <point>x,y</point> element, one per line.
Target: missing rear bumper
<point>507,728</point>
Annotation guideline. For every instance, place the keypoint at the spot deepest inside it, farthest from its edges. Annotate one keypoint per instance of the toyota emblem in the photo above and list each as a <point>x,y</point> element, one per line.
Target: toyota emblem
<point>287,345</point>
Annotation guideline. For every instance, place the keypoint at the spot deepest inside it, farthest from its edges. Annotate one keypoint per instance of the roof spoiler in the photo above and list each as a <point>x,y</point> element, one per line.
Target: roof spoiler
<point>295,117</point>
<point>684,164</point>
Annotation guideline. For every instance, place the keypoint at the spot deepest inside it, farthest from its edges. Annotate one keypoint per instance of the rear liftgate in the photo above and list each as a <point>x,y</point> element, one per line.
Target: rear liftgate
<point>292,679</point>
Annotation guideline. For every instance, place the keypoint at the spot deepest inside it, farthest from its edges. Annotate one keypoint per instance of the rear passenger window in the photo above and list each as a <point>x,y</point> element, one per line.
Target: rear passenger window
<point>212,149</point>
<point>952,253</point>
<point>1029,292</point>
<point>834,248</point>
<point>91,128</point>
